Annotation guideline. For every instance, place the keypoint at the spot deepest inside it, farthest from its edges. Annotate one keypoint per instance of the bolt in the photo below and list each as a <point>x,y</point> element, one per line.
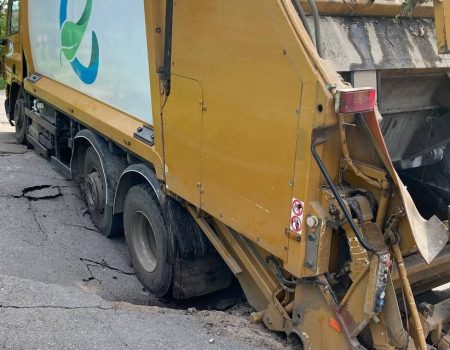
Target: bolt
<point>309,264</point>
<point>140,129</point>
<point>312,221</point>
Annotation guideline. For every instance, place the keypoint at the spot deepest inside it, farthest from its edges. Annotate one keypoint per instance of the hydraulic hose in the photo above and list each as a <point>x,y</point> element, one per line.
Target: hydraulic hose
<point>315,13</point>
<point>339,199</point>
<point>409,296</point>
<point>301,13</point>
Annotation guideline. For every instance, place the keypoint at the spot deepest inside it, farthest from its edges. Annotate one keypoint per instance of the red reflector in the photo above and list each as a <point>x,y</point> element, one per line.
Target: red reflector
<point>356,100</point>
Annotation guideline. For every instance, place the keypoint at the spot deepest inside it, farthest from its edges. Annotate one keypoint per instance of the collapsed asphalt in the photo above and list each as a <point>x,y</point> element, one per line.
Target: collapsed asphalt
<point>65,286</point>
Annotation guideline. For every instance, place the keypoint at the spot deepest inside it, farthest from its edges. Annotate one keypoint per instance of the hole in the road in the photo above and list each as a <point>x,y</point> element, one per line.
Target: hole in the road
<point>231,298</point>
<point>41,192</point>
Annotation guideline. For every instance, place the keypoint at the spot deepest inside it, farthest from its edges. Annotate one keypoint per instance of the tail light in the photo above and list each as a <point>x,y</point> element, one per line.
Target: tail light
<point>351,101</point>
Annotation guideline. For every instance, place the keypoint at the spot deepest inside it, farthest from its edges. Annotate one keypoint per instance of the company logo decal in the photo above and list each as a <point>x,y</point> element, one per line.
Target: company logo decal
<point>72,35</point>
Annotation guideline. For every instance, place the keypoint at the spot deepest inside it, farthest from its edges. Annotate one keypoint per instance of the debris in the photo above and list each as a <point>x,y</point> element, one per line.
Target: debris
<point>191,310</point>
<point>211,341</point>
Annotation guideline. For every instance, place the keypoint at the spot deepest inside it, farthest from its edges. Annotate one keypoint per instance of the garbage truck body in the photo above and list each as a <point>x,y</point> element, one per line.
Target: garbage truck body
<point>301,146</point>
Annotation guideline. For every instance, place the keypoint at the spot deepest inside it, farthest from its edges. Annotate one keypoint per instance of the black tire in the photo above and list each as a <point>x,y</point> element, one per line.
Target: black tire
<point>147,240</point>
<point>20,120</point>
<point>95,190</point>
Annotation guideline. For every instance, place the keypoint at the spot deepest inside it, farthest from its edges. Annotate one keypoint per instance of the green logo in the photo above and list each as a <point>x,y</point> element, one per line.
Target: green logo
<point>72,35</point>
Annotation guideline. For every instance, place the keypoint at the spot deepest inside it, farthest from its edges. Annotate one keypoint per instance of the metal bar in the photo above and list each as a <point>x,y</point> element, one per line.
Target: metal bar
<point>61,167</point>
<point>41,121</point>
<point>409,296</point>
<point>37,146</point>
<point>378,8</point>
<point>168,46</point>
<point>442,21</point>
<point>215,241</point>
<point>260,276</point>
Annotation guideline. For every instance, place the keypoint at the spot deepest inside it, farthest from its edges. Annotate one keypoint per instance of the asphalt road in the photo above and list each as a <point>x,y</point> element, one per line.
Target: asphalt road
<point>65,286</point>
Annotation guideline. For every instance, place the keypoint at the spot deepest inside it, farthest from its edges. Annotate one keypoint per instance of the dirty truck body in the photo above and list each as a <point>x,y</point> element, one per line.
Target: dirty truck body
<point>256,138</point>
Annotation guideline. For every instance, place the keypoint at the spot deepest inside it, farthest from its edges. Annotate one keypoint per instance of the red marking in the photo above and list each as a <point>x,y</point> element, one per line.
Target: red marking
<point>333,323</point>
<point>296,224</point>
<point>297,207</point>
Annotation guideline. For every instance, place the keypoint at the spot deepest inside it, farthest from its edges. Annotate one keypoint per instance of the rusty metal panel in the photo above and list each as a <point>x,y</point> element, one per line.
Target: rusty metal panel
<point>364,43</point>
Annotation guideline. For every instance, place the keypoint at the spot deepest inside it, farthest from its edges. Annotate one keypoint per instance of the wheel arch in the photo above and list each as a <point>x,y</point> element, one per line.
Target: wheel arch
<point>136,174</point>
<point>112,165</point>
<point>181,227</point>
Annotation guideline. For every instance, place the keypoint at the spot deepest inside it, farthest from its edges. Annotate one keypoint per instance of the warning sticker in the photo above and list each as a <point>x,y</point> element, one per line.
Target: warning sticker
<point>297,215</point>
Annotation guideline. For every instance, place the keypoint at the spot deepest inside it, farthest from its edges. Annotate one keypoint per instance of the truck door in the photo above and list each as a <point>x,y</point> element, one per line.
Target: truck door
<point>182,123</point>
<point>250,120</point>
<point>13,50</point>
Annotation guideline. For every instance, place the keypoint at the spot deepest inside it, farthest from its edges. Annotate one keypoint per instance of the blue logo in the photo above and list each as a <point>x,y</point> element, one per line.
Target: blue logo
<point>72,35</point>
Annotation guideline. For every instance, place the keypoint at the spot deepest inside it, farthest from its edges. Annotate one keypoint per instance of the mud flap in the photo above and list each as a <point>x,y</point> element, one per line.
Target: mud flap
<point>199,276</point>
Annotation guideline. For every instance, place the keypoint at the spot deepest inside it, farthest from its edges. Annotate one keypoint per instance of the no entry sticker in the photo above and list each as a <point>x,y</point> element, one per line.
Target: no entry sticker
<point>297,210</point>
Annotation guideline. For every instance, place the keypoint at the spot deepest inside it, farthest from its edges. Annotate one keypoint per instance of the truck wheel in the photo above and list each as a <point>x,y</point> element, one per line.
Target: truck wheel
<point>147,239</point>
<point>95,195</point>
<point>20,120</point>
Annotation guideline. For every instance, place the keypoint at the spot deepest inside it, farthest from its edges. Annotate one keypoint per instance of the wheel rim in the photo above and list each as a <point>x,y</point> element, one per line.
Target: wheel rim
<point>94,191</point>
<point>144,242</point>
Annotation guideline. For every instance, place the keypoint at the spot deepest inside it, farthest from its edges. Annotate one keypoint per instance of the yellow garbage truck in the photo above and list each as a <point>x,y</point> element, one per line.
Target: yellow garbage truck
<point>299,145</point>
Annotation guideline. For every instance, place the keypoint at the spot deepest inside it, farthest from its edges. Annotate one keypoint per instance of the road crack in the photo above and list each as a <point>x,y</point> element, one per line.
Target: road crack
<point>82,226</point>
<point>35,218</point>
<point>104,264</point>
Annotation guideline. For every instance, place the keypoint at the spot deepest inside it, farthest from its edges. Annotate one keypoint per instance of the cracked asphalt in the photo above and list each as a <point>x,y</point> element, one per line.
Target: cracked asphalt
<point>65,286</point>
